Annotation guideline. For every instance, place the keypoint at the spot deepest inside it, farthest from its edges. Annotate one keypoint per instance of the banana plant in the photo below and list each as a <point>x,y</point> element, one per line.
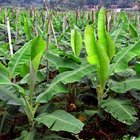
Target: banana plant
<point>15,94</point>
<point>101,52</point>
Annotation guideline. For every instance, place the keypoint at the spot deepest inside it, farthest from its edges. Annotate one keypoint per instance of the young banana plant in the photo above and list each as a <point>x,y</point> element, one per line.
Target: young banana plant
<point>101,52</point>
<point>15,94</point>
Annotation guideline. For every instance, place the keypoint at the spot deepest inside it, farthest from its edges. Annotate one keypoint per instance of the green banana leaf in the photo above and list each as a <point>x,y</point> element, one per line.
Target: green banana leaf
<point>120,61</point>
<point>130,83</point>
<point>5,123</point>
<point>133,31</point>
<point>37,49</point>
<point>102,30</point>
<point>61,61</point>
<point>119,109</point>
<point>126,21</point>
<point>25,135</point>
<point>104,39</point>
<point>76,42</point>
<point>4,76</point>
<point>3,67</point>
<point>61,121</point>
<point>11,95</point>
<point>27,30</point>
<point>96,55</point>
<point>5,53</point>
<point>25,70</point>
<point>19,58</point>
<point>117,32</point>
<point>111,46</point>
<point>137,68</point>
<point>66,77</point>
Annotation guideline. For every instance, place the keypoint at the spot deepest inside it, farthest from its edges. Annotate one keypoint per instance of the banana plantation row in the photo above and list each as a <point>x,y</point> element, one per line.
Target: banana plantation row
<point>69,75</point>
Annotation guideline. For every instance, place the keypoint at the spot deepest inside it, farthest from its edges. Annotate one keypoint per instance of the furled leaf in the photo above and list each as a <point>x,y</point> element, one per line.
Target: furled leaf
<point>96,55</point>
<point>61,121</point>
<point>120,109</point>
<point>66,77</point>
<point>102,29</point>
<point>104,67</point>
<point>91,47</point>
<point>133,32</point>
<point>26,29</point>
<point>123,87</point>
<point>37,49</point>
<point>104,39</point>
<point>76,42</point>
<point>111,46</point>
<point>120,61</point>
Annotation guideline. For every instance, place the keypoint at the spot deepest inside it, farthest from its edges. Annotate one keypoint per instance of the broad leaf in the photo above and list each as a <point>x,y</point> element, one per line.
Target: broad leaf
<point>4,76</point>
<point>5,123</point>
<point>61,121</point>
<point>25,135</point>
<point>123,87</point>
<point>76,42</point>
<point>120,109</point>
<point>19,58</point>
<point>61,61</point>
<point>9,94</point>
<point>120,61</point>
<point>66,77</point>
<point>5,53</point>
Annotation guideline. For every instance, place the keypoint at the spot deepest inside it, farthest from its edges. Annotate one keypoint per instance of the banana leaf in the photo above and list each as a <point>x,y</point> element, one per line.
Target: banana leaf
<point>66,77</point>
<point>133,31</point>
<point>61,61</point>
<point>96,55</point>
<point>120,61</point>
<point>104,39</point>
<point>11,95</point>
<point>130,83</point>
<point>61,121</point>
<point>120,109</point>
<point>19,58</point>
<point>76,42</point>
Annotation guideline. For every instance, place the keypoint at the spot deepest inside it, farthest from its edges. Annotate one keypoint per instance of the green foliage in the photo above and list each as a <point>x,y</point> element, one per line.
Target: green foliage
<point>120,109</point>
<point>60,120</point>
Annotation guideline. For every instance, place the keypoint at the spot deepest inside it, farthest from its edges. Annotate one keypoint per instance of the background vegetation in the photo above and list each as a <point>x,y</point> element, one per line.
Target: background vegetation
<point>72,3</point>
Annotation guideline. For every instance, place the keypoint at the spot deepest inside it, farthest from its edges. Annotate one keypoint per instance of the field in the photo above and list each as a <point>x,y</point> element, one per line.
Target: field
<point>69,75</point>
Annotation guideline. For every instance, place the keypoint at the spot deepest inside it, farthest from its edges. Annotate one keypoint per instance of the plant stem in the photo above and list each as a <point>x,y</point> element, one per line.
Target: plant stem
<point>32,126</point>
<point>34,111</point>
